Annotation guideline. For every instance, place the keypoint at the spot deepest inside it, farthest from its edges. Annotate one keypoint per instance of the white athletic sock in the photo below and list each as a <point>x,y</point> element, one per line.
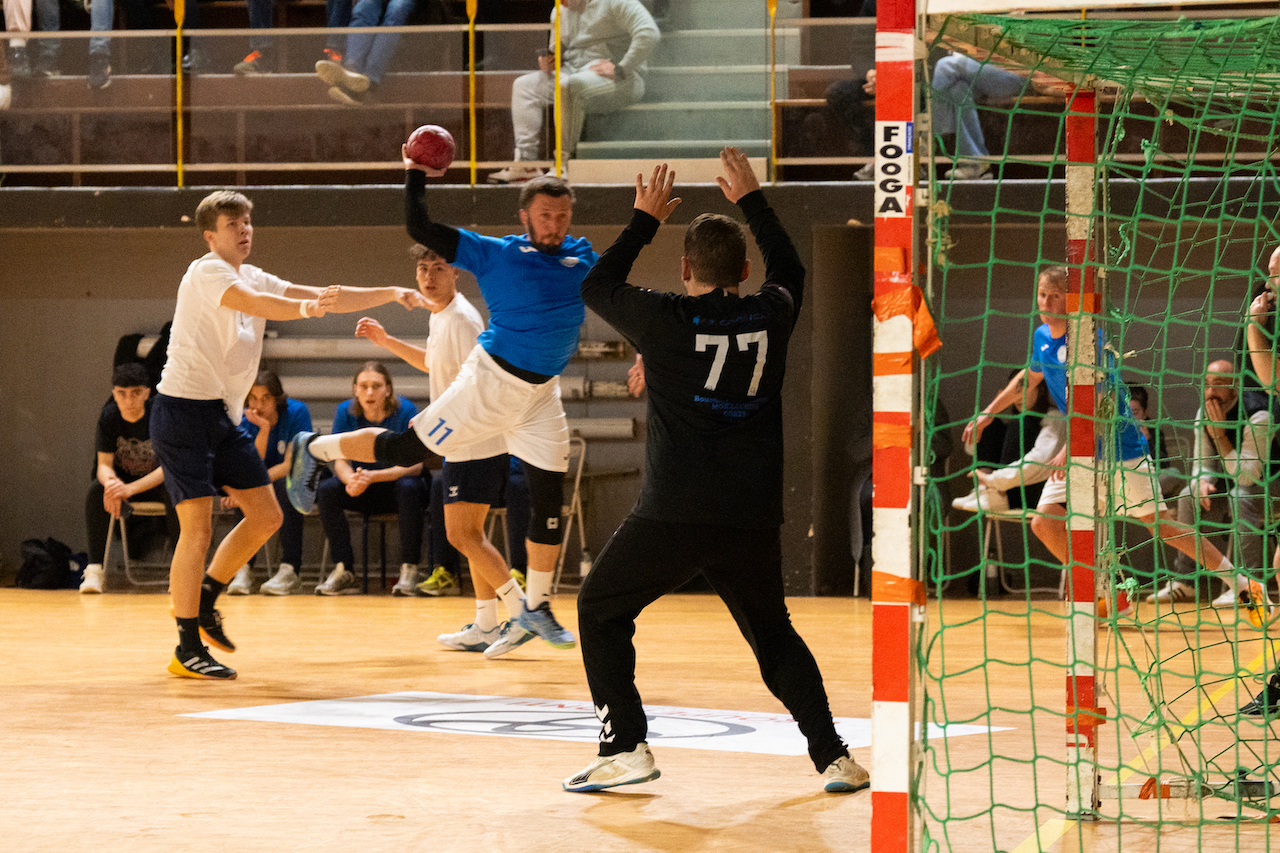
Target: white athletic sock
<point>326,448</point>
<point>1227,571</point>
<point>487,614</point>
<point>537,587</point>
<point>513,597</point>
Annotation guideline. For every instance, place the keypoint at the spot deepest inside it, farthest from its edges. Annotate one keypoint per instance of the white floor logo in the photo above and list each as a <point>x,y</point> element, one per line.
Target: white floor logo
<point>552,719</point>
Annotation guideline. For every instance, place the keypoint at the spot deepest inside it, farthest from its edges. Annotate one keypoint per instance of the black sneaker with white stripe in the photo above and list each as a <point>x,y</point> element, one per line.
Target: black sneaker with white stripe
<point>199,664</point>
<point>1266,703</point>
<point>211,631</point>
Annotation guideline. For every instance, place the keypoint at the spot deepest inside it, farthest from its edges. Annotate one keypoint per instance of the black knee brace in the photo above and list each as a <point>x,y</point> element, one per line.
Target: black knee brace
<point>400,448</point>
<point>546,499</point>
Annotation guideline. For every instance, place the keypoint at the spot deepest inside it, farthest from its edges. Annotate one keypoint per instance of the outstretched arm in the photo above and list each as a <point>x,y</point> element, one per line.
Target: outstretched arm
<point>374,331</point>
<point>246,300</point>
<point>441,239</point>
<point>605,289</point>
<point>1011,392</point>
<point>782,265</point>
<point>352,299</point>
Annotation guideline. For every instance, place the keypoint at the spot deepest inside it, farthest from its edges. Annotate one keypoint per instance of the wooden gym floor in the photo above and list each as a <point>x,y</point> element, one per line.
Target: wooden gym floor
<point>95,755</point>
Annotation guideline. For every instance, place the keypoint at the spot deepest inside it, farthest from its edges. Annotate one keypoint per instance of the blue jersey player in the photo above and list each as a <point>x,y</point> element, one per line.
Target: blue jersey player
<point>505,399</point>
<point>1133,491</point>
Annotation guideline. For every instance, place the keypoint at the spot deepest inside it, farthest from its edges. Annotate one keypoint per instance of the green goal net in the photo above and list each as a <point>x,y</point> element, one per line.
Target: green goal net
<point>1182,218</point>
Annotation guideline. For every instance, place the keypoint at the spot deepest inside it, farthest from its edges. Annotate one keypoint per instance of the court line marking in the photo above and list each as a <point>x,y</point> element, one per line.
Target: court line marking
<point>1054,828</point>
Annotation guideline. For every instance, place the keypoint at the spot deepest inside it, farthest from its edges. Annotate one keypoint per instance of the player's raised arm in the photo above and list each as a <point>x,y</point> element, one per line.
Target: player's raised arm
<point>439,238</point>
<point>605,289</point>
<point>654,198</point>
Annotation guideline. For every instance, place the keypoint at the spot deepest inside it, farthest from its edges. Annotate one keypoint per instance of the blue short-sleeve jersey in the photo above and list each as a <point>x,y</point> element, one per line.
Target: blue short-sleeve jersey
<point>534,298</point>
<point>295,418</point>
<point>1049,356</point>
<point>350,417</point>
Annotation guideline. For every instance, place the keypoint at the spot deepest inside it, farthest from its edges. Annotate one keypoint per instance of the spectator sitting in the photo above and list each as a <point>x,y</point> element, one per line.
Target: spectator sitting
<point>1232,457</point>
<point>271,419</point>
<point>958,82</point>
<point>372,487</point>
<point>1030,443</point>
<point>6,91</point>
<point>102,13</point>
<point>337,15</point>
<point>1171,479</point>
<point>126,468</point>
<point>847,99</point>
<point>367,55</point>
<point>18,19</point>
<point>604,47</point>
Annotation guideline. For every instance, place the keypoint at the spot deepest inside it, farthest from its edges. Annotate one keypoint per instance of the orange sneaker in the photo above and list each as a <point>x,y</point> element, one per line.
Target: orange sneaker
<point>1124,607</point>
<point>1257,606</point>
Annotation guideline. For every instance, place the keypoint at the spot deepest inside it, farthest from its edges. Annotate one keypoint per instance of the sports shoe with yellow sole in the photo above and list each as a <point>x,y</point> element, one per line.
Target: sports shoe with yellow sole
<point>199,665</point>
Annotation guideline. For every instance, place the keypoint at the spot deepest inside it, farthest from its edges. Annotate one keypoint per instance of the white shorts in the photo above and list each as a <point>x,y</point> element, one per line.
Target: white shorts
<point>487,411</point>
<point>1134,489</point>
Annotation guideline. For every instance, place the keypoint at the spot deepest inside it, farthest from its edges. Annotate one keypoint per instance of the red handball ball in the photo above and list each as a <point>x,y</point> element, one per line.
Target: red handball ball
<point>431,146</point>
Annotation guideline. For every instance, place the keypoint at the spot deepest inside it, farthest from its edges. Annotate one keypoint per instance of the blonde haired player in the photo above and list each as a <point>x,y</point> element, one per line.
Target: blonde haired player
<point>214,348</point>
<point>1134,492</point>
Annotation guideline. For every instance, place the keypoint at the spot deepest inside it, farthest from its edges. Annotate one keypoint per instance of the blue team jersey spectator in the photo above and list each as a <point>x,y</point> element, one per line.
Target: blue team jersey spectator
<point>295,418</point>
<point>1048,357</point>
<point>350,417</point>
<point>534,300</point>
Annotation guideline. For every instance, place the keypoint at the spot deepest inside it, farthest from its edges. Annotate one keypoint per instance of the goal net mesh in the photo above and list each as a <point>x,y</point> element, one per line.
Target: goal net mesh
<point>1184,219</point>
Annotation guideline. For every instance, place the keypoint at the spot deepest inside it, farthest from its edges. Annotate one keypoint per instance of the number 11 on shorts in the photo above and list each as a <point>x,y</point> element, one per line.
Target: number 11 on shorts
<point>444,431</point>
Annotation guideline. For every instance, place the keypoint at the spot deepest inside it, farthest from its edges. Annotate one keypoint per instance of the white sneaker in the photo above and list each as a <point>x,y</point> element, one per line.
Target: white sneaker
<point>1174,592</point>
<point>515,174</point>
<point>993,500</point>
<point>844,776</point>
<point>470,638</point>
<point>968,503</point>
<point>284,582</point>
<point>625,768</point>
<point>408,577</point>
<point>94,579</point>
<point>241,584</point>
<point>1229,598</point>
<point>513,637</point>
<point>339,582</point>
<point>971,170</point>
<point>866,173</point>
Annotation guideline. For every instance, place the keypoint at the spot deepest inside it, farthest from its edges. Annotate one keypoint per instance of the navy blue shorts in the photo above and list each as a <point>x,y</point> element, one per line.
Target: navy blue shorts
<point>475,481</point>
<point>201,450</point>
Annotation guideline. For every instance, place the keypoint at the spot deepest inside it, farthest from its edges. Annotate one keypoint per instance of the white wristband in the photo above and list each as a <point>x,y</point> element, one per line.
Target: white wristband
<point>302,308</point>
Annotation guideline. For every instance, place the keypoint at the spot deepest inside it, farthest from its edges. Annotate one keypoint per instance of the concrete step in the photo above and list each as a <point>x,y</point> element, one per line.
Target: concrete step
<point>690,170</point>
<point>661,151</point>
<point>724,47</point>
<point>682,120</point>
<point>724,83</point>
<point>708,14</point>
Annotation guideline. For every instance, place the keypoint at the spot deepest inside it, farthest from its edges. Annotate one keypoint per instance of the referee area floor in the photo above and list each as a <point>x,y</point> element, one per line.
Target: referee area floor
<point>350,728</point>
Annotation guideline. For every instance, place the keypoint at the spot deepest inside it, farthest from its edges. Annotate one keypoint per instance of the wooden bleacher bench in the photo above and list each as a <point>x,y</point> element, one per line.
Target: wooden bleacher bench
<point>330,388</point>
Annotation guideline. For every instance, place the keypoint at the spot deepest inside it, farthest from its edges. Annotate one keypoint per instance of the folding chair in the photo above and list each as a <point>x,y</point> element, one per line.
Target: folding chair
<point>141,509</point>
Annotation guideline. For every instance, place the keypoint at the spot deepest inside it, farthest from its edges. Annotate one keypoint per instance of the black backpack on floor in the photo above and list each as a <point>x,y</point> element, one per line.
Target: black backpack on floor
<point>46,564</point>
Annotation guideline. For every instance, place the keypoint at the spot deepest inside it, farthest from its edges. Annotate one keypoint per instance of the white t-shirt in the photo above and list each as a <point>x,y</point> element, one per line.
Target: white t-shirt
<point>214,351</point>
<point>452,335</point>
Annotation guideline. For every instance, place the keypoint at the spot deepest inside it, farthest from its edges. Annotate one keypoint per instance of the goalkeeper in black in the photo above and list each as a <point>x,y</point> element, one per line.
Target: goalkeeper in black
<point>711,499</point>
